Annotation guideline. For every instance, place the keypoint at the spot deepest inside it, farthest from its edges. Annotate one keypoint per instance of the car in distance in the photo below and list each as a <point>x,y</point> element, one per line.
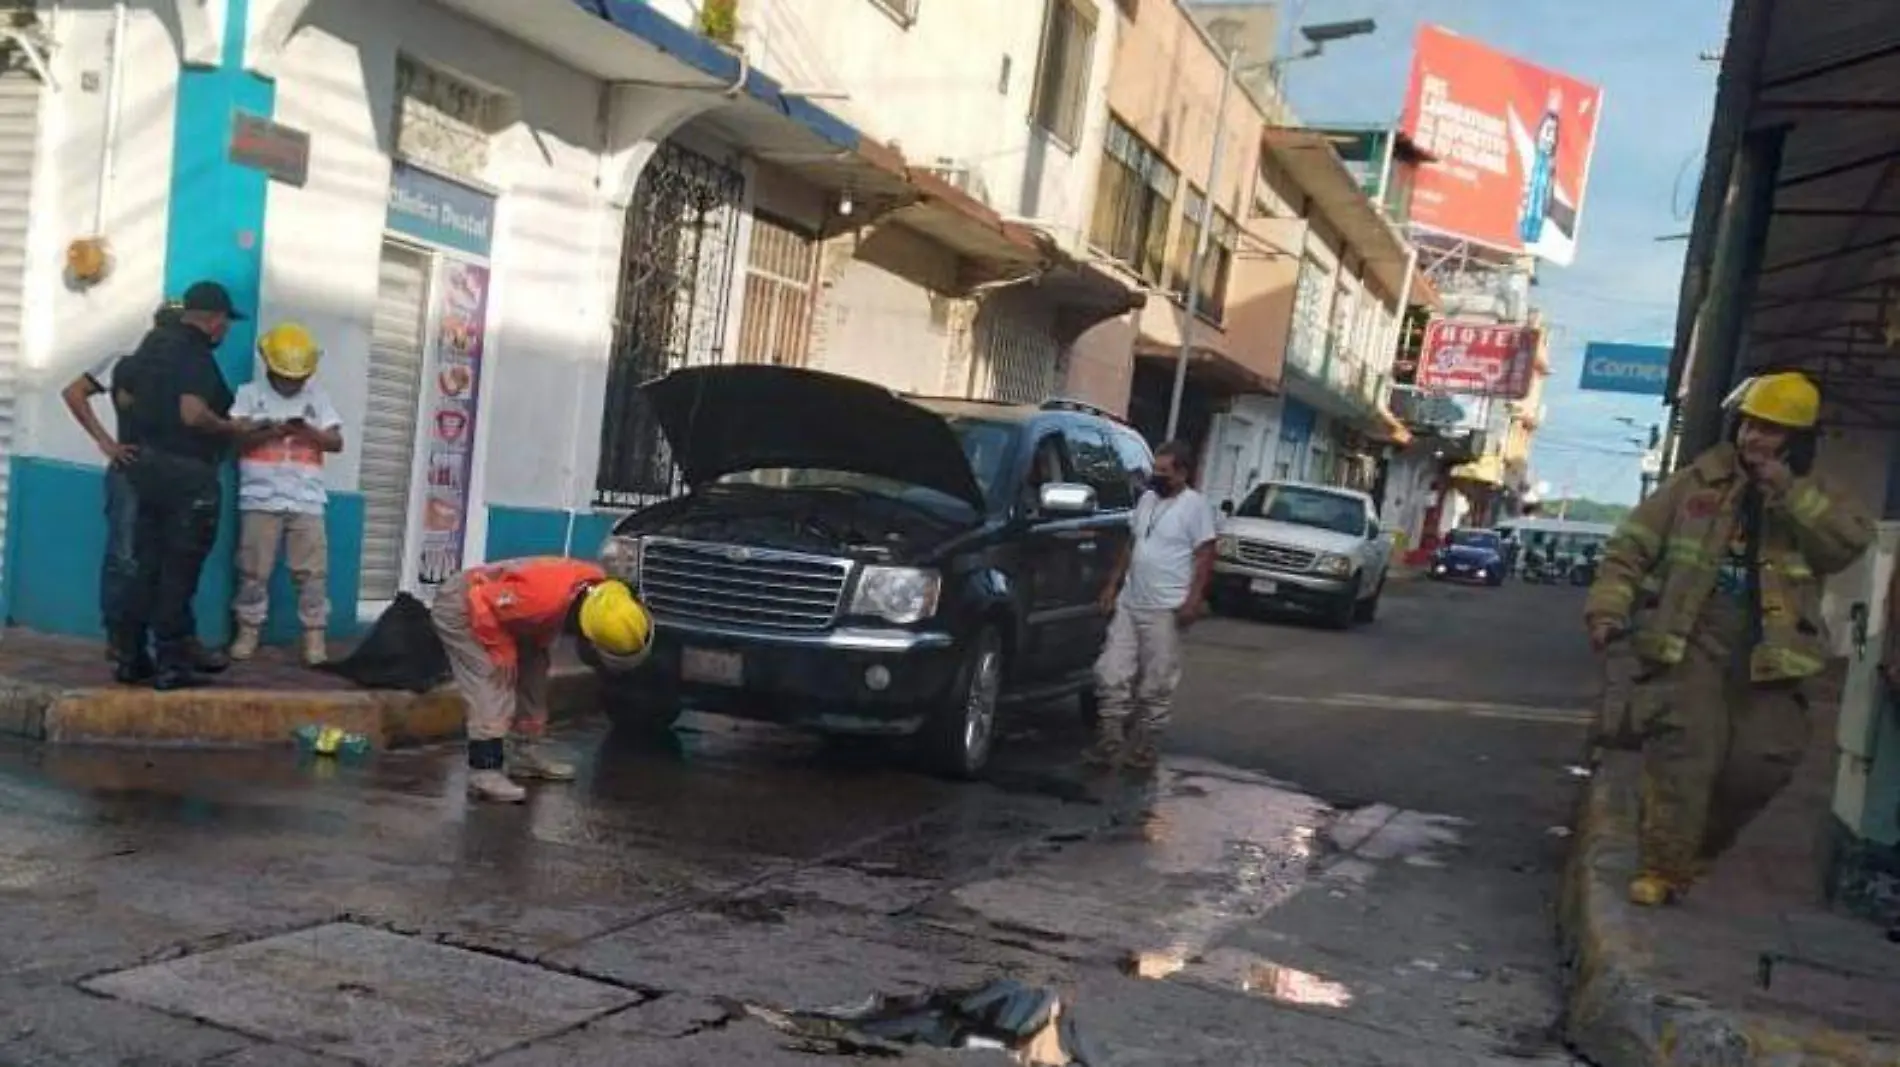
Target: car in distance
<point>857,562</point>
<point>1470,556</point>
<point>1314,547</point>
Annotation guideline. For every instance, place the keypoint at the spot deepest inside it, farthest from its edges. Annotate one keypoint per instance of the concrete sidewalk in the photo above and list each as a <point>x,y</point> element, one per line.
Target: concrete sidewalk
<point>1752,969</point>
<point>60,690</point>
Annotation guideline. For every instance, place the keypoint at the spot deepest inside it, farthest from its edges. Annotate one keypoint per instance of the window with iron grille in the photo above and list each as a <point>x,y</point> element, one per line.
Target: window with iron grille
<point>1062,73</point>
<point>1133,203</point>
<point>904,11</point>
<point>781,279</point>
<point>1306,340</point>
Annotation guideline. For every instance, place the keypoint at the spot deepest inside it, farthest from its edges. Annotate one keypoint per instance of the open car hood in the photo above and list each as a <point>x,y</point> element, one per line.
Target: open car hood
<point>726,419</point>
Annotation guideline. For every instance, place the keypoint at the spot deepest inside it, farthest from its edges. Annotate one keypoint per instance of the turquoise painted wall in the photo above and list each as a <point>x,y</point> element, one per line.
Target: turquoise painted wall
<point>58,534</point>
<point>514,533</point>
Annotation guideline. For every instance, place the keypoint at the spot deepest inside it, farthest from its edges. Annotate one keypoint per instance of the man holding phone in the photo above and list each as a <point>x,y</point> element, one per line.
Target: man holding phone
<point>1720,572</point>
<point>281,493</point>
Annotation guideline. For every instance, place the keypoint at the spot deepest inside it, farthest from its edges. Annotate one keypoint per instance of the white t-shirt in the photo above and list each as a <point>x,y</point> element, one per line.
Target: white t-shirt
<point>1167,533</point>
<point>101,372</point>
<point>283,475</point>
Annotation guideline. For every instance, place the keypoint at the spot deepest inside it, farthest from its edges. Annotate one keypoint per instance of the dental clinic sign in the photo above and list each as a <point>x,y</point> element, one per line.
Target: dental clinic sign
<point>1620,368</point>
<point>440,212</point>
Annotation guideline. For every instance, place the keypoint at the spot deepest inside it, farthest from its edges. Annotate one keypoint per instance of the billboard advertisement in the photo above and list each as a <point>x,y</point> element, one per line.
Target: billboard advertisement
<point>1618,368</point>
<point>1478,359</point>
<point>1511,144</point>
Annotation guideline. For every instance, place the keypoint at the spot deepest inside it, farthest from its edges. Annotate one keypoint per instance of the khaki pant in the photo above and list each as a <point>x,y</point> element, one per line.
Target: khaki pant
<point>497,703</point>
<point>307,553</point>
<point>1140,668</point>
<point>1716,748</point>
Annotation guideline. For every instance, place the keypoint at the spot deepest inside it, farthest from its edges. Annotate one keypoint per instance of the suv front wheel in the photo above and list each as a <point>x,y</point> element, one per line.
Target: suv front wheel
<point>962,727</point>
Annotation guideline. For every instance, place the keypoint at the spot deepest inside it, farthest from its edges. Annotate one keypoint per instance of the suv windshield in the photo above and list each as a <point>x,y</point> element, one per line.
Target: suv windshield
<point>1473,539</point>
<point>985,445</point>
<point>1305,507</point>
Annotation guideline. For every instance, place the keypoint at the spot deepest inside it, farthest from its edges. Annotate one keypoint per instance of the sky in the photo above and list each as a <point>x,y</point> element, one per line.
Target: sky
<point>1658,96</point>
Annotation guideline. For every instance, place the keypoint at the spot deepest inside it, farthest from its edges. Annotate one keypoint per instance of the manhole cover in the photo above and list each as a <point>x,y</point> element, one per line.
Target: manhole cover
<point>369,995</point>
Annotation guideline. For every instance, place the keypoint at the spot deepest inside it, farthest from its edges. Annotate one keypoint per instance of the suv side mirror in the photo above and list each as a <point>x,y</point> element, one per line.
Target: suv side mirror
<point>1372,529</point>
<point>1066,498</point>
<point>1227,508</point>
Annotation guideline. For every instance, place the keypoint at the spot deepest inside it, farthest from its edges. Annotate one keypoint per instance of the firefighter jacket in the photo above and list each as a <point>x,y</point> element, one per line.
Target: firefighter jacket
<point>524,601</point>
<point>1662,565</point>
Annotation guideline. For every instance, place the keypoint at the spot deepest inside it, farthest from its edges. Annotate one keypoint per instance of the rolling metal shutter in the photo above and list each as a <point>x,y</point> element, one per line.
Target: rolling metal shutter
<point>389,421</point>
<point>1018,358</point>
<point>19,138</point>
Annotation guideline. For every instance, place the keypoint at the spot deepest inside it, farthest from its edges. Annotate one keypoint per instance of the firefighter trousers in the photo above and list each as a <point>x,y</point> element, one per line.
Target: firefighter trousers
<point>1716,750</point>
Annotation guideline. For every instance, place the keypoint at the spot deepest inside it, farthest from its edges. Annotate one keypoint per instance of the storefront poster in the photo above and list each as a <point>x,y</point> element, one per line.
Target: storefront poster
<point>452,389</point>
<point>1511,144</point>
<point>1478,359</point>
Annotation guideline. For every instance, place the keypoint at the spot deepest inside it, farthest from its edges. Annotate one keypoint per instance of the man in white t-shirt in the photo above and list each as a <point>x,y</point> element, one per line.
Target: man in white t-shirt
<point>281,495</point>
<point>1158,589</point>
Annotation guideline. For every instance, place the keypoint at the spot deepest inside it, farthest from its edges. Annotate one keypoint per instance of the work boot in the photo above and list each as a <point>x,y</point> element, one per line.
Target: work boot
<point>494,786</point>
<point>172,678</point>
<point>316,650</point>
<point>1107,751</point>
<point>1142,754</point>
<point>134,670</point>
<point>529,759</point>
<point>1652,890</point>
<point>244,645</point>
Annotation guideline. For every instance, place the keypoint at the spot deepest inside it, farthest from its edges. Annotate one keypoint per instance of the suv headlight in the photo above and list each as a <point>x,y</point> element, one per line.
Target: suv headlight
<point>620,558</point>
<point>1338,566</point>
<point>900,595</point>
<point>1228,547</point>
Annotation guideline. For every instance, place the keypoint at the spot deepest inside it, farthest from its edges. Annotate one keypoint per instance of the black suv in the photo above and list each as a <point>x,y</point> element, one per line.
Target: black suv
<point>856,562</point>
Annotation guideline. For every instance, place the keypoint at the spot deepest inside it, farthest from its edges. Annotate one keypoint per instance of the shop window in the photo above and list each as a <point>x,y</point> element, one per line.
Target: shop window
<point>1062,73</point>
<point>904,11</point>
<point>1134,201</point>
<point>444,121</point>
<point>780,282</point>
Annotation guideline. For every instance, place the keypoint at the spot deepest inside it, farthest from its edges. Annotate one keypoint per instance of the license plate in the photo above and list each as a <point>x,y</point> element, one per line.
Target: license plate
<point>710,667</point>
<point>1265,586</point>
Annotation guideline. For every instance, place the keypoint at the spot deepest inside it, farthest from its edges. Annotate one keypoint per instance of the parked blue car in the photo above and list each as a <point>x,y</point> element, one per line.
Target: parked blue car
<point>1470,556</point>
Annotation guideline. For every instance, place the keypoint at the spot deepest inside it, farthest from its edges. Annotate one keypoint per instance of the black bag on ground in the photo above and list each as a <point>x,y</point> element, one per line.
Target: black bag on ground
<point>402,651</point>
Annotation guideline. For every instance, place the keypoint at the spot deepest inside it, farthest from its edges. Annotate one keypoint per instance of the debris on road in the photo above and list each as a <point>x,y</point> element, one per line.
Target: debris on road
<point>333,741</point>
<point>1031,1023</point>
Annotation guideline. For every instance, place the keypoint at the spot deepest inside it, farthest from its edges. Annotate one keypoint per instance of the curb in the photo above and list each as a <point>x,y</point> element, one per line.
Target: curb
<point>253,717</point>
<point>1615,1016</point>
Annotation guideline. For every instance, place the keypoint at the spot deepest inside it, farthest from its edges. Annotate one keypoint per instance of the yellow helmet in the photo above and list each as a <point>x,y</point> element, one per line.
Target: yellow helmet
<point>289,351</point>
<point>616,624</point>
<point>1786,399</point>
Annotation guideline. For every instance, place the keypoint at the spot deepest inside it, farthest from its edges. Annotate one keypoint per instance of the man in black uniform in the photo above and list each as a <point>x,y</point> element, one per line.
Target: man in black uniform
<point>173,408</point>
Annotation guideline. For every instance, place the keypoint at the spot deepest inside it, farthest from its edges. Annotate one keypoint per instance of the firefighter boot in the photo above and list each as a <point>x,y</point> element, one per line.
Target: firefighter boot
<point>1106,753</point>
<point>244,645</point>
<point>529,759</point>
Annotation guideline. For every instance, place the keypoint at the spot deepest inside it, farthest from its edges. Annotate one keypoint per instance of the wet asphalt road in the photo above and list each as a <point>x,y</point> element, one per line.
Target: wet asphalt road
<point>1351,857</point>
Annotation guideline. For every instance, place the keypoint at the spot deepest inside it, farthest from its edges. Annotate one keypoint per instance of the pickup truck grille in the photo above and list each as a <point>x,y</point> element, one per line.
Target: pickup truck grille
<point>749,588</point>
<point>1279,557</point>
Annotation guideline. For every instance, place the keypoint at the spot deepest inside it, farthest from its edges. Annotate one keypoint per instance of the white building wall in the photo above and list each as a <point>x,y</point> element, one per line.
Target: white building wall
<point>938,89</point>
<point>68,329</point>
<point>544,361</point>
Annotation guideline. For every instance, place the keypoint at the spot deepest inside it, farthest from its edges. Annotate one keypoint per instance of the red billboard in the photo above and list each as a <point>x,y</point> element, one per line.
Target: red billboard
<point>1478,359</point>
<point>1511,145</point>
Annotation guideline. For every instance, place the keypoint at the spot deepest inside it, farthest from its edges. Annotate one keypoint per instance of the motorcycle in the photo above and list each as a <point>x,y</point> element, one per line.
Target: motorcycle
<point>1538,570</point>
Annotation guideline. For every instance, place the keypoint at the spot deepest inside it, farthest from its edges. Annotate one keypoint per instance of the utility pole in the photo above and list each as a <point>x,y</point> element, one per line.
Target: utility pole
<point>1201,242</point>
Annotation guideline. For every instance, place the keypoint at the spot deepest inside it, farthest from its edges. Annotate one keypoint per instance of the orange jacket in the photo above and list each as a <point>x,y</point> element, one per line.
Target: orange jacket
<point>524,600</point>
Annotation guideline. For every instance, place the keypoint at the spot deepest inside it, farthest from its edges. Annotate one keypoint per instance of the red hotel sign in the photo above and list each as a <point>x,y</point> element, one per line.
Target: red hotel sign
<point>1478,359</point>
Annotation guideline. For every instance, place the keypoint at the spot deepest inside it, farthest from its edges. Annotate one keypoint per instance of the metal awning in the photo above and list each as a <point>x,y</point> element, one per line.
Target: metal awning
<point>1309,158</point>
<point>1824,297</point>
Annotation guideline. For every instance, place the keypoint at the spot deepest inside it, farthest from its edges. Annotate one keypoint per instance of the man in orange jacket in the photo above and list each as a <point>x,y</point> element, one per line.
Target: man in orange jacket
<point>499,623</point>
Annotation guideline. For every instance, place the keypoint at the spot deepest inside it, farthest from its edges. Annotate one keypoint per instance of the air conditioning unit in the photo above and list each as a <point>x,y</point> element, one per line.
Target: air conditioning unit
<point>962,174</point>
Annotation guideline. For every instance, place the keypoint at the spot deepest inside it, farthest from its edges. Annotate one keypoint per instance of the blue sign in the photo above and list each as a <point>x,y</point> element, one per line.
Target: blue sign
<point>441,212</point>
<point>1618,368</point>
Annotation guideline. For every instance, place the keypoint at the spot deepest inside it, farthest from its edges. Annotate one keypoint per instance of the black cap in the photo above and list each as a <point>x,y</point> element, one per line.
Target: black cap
<point>211,297</point>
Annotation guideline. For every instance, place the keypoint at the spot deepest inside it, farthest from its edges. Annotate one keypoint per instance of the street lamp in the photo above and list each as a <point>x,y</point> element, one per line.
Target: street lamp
<point>1318,36</point>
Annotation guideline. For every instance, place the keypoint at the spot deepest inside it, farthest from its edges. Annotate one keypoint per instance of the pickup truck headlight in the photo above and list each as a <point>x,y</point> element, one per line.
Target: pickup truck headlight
<point>901,595</point>
<point>620,558</point>
<point>1337,566</point>
<point>1228,547</point>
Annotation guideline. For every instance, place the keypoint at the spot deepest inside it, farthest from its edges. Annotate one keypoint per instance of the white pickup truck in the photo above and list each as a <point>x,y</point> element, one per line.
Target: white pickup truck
<point>1314,547</point>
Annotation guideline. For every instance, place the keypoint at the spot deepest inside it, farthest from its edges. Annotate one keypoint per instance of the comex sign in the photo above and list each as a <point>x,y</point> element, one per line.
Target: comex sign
<point>1620,368</point>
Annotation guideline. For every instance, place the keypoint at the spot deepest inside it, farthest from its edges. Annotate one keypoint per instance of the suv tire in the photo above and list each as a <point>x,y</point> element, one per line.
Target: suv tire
<point>961,730</point>
<point>1368,610</point>
<point>1345,611</point>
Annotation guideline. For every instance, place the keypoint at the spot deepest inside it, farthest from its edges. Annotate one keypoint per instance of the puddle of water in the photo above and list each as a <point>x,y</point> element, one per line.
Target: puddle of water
<point>1242,971</point>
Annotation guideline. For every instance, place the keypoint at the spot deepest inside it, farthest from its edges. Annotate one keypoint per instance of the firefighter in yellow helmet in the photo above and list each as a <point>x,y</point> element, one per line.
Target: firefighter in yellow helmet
<point>1716,581</point>
<point>498,623</point>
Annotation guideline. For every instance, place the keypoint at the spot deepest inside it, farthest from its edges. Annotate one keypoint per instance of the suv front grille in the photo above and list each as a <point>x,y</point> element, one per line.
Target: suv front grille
<point>1279,557</point>
<point>729,585</point>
